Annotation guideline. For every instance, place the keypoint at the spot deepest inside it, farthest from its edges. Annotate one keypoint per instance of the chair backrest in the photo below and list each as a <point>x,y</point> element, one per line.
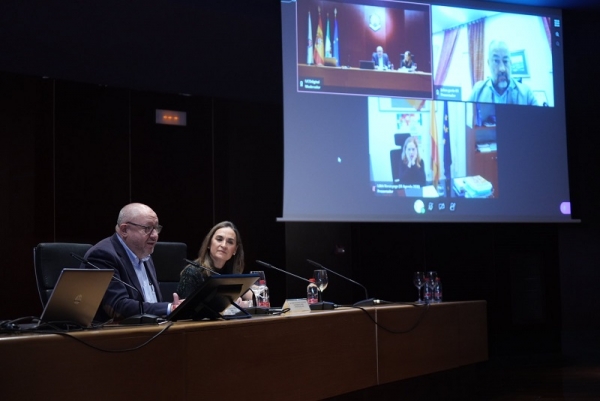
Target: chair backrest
<point>396,155</point>
<point>168,262</point>
<point>49,258</point>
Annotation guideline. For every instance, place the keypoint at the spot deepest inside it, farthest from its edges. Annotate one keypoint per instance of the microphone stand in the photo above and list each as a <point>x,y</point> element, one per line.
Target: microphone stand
<point>317,306</point>
<point>366,302</point>
<point>141,318</point>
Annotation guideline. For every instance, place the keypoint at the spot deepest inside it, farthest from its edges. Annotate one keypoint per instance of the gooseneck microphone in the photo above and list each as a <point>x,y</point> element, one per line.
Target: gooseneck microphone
<point>318,305</point>
<point>135,319</point>
<point>366,301</point>
<point>260,262</point>
<point>198,265</point>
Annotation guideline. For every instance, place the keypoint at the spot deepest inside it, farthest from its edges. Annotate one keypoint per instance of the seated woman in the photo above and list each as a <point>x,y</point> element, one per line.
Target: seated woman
<point>411,168</point>
<point>408,62</point>
<point>221,251</point>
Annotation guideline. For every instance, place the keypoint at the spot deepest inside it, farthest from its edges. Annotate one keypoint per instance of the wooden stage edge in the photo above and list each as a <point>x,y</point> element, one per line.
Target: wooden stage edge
<point>309,356</point>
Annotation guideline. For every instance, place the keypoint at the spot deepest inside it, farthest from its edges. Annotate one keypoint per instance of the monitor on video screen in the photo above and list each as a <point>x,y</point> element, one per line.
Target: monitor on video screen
<point>414,111</point>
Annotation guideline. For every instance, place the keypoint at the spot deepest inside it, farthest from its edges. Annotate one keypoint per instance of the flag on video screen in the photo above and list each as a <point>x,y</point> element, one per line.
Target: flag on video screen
<point>309,52</point>
<point>435,160</point>
<point>327,40</point>
<point>447,149</point>
<point>336,40</point>
<point>319,53</point>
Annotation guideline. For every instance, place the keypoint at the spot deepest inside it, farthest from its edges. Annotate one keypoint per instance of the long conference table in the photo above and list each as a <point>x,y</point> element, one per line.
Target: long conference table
<point>307,356</point>
<point>337,77</point>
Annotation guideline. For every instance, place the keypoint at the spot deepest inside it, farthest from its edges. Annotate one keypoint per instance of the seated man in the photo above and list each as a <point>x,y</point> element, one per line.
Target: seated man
<point>381,59</point>
<point>127,252</point>
<point>500,87</point>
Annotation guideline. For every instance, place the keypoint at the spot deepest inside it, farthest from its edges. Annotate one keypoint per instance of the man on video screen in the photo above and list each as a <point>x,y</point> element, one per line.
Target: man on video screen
<point>381,59</point>
<point>500,87</point>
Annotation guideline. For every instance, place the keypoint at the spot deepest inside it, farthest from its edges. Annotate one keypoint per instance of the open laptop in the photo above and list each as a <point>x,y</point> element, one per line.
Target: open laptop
<point>330,62</point>
<point>75,298</point>
<point>366,65</point>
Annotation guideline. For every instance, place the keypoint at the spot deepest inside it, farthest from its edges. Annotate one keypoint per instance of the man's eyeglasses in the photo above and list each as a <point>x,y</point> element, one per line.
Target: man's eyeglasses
<point>147,229</point>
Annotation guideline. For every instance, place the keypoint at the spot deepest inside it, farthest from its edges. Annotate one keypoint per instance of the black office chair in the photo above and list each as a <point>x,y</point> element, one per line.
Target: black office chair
<point>168,262</point>
<point>49,258</point>
<point>396,155</point>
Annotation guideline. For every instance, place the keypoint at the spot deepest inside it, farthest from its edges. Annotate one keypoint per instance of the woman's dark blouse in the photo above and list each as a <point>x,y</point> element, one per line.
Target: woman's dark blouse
<point>191,278</point>
<point>412,175</point>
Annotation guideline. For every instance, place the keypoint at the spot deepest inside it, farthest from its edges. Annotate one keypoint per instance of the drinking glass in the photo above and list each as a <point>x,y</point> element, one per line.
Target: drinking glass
<point>321,281</point>
<point>259,286</point>
<point>419,281</point>
<point>431,275</point>
<point>430,281</point>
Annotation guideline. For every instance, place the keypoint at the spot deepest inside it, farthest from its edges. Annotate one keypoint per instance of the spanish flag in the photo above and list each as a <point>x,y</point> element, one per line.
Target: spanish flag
<point>319,54</point>
<point>435,157</point>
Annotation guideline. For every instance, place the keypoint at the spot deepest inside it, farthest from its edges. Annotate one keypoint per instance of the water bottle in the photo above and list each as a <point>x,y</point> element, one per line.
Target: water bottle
<point>312,292</point>
<point>263,298</point>
<point>427,291</point>
<point>437,290</point>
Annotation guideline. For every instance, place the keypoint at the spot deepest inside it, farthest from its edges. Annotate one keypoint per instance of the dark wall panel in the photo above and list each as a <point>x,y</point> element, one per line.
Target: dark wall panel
<point>249,164</point>
<point>25,117</point>
<point>213,48</point>
<point>329,244</point>
<point>172,166</point>
<point>91,162</point>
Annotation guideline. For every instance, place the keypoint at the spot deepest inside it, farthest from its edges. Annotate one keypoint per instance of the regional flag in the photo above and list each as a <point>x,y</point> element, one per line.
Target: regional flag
<point>319,53</point>
<point>309,51</point>
<point>327,40</point>
<point>336,40</point>
<point>435,159</point>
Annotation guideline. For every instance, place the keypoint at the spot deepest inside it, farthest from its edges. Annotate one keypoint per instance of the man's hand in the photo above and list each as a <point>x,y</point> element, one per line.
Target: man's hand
<point>176,301</point>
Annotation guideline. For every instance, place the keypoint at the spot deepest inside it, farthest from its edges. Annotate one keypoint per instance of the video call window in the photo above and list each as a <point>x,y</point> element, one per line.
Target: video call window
<point>414,112</point>
<point>364,48</point>
<point>492,57</point>
<point>432,149</point>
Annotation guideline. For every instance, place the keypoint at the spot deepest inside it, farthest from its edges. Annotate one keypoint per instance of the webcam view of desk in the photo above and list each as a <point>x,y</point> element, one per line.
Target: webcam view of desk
<point>353,80</point>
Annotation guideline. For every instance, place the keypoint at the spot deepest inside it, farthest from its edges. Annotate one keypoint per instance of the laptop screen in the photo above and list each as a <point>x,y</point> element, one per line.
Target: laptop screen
<point>77,296</point>
<point>366,65</point>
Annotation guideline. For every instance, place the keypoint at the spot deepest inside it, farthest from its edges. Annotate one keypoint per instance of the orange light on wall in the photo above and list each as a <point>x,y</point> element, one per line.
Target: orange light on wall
<point>171,117</point>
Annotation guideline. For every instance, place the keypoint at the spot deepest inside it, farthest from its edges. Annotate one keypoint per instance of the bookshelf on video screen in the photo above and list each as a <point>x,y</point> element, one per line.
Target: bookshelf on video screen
<point>414,111</point>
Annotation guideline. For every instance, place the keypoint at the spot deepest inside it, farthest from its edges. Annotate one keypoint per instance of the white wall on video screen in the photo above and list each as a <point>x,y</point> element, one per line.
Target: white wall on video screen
<point>387,118</point>
<point>525,36</point>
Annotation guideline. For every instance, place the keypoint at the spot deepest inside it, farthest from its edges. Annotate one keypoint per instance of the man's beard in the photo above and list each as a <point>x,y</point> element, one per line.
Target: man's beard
<point>502,84</point>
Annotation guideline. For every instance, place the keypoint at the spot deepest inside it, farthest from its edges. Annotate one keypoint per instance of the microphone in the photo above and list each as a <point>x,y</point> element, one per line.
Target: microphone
<point>260,262</point>
<point>318,305</point>
<point>195,264</point>
<point>366,302</point>
<point>142,317</point>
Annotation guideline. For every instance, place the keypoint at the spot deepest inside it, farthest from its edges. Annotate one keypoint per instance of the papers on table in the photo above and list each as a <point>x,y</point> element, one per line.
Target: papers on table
<point>487,147</point>
<point>473,187</point>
